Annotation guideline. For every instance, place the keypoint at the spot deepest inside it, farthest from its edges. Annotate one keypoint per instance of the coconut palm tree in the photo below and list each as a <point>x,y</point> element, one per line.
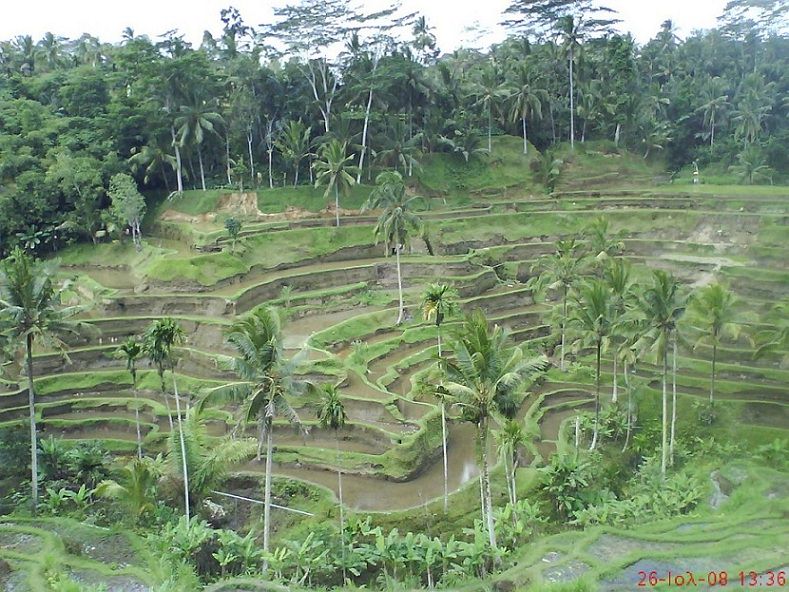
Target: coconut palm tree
<point>334,169</point>
<point>193,123</point>
<point>152,158</point>
<point>510,438</point>
<point>208,459</point>
<point>265,381</point>
<point>776,338</point>
<point>331,415</point>
<point>660,306</point>
<point>619,282</point>
<point>30,313</point>
<point>601,245</point>
<point>396,220</point>
<point>439,301</point>
<point>527,100</point>
<point>135,487</point>
<point>160,339</point>
<point>294,144</point>
<point>560,271</point>
<point>132,351</point>
<point>715,103</point>
<point>489,91</point>
<point>713,307</point>
<point>592,317</point>
<point>483,375</point>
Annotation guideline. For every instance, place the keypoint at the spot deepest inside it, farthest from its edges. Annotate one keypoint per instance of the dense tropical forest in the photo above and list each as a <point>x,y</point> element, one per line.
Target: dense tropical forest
<point>318,306</point>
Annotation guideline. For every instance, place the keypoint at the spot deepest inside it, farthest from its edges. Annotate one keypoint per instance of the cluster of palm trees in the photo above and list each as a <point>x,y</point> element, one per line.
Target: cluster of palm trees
<point>602,307</point>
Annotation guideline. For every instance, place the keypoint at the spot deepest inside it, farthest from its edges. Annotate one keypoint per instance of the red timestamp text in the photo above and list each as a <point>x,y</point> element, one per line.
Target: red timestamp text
<point>745,579</point>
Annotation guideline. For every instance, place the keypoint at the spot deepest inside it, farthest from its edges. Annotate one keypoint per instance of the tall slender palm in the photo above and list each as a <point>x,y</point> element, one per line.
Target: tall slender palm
<point>294,144</point>
<point>592,317</point>
<point>397,219</point>
<point>398,146</point>
<point>334,169</point>
<point>484,374</point>
<point>489,91</point>
<point>331,415</point>
<point>510,438</point>
<point>439,301</point>
<point>602,246</point>
<point>160,339</point>
<point>29,312</point>
<point>265,381</point>
<point>193,123</point>
<point>713,307</point>
<point>715,103</point>
<point>152,158</point>
<point>560,271</point>
<point>660,306</point>
<point>527,100</point>
<point>619,282</point>
<point>132,351</point>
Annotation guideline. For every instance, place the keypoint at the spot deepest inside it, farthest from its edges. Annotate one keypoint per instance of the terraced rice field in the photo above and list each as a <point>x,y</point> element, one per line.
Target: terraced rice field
<point>341,309</point>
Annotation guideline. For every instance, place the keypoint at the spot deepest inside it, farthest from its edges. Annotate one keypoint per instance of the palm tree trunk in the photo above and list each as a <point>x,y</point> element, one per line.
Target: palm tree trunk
<point>629,412</point>
<point>712,381</point>
<point>337,205</point>
<point>572,101</point>
<point>267,493</point>
<point>564,322</point>
<point>490,128</point>
<point>525,142</point>
<point>553,122</point>
<point>615,390</point>
<point>664,447</point>
<point>31,401</point>
<point>339,495</point>
<point>136,413</point>
<point>616,134</point>
<point>178,164</point>
<point>673,402</point>
<point>227,159</point>
<point>401,312</point>
<point>270,170</point>
<point>486,483</point>
<point>596,399</point>
<point>251,160</point>
<point>364,136</point>
<point>200,162</point>
<point>183,444</point>
<point>444,446</point>
<point>296,175</point>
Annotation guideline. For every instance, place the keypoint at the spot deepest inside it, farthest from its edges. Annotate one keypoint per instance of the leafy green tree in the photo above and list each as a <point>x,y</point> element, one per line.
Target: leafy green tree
<point>30,312</point>
<point>266,379</point>
<point>592,318</point>
<point>397,218</point>
<point>160,339</point>
<point>128,205</point>
<point>132,351</point>
<point>152,158</point>
<point>233,227</point>
<point>484,374</point>
<point>334,169</point>
<point>489,91</point>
